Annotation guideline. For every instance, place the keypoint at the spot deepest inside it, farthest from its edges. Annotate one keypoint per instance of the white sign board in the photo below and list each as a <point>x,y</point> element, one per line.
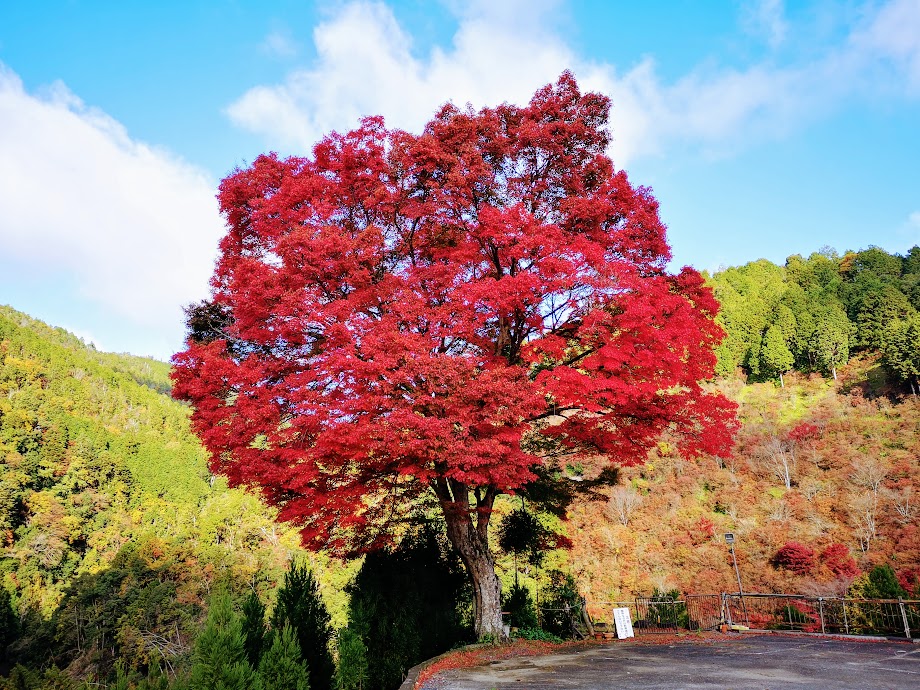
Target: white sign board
<point>623,619</point>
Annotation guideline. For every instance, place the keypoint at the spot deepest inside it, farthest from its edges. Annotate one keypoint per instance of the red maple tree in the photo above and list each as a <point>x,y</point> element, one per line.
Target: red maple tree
<point>445,315</point>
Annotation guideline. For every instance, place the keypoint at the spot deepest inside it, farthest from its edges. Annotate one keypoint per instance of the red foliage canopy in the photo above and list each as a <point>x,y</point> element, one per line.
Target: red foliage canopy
<point>795,557</point>
<point>838,560</point>
<point>803,431</point>
<point>405,312</point>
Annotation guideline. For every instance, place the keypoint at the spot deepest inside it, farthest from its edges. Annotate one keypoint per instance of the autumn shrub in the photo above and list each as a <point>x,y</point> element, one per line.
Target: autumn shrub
<point>909,579</point>
<point>796,616</point>
<point>702,530</point>
<point>838,560</point>
<point>795,557</point>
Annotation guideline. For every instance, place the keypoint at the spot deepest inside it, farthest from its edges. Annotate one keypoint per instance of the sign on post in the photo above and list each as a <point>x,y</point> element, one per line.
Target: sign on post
<point>623,619</point>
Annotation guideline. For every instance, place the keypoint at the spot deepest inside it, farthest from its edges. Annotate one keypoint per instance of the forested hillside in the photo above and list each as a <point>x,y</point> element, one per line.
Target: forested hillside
<point>812,314</point>
<point>826,468</point>
<point>112,531</point>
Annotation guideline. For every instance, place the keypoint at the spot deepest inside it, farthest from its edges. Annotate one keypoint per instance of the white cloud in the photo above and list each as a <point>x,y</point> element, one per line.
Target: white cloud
<point>80,201</point>
<point>279,44</point>
<point>893,35</point>
<point>365,65</point>
<point>766,19</point>
<point>913,223</point>
<point>908,232</point>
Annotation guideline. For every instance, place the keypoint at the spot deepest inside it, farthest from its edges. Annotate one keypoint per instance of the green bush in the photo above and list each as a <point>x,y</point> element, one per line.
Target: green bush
<point>520,607</point>
<point>536,634</point>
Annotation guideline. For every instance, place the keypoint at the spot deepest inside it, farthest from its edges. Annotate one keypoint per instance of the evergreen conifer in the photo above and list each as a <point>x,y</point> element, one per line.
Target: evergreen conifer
<point>282,666</point>
<point>299,605</point>
<point>404,604</point>
<point>351,672</point>
<point>253,628</point>
<point>219,659</point>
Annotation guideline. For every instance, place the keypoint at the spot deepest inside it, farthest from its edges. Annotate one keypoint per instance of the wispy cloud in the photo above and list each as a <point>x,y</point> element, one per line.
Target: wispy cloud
<point>279,44</point>
<point>912,227</point>
<point>892,39</point>
<point>365,65</point>
<point>135,227</point>
<point>766,19</point>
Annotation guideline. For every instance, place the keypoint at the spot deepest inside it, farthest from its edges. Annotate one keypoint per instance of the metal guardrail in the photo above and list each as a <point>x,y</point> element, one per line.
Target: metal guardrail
<point>827,615</point>
<point>794,612</point>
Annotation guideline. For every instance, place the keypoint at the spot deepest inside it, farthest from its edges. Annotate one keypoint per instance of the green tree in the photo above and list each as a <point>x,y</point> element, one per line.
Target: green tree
<point>775,354</point>
<point>219,657</point>
<point>879,583</point>
<point>351,672</point>
<point>282,666</point>
<point>405,605</point>
<point>748,296</point>
<point>253,628</point>
<point>830,342</point>
<point>300,605</point>
<point>901,349</point>
<point>521,534</point>
<point>9,622</point>
<point>560,603</point>
<point>22,678</point>
<point>877,309</point>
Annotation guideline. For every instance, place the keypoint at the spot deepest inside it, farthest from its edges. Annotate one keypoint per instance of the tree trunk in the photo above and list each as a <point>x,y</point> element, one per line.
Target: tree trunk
<point>782,384</point>
<point>472,543</point>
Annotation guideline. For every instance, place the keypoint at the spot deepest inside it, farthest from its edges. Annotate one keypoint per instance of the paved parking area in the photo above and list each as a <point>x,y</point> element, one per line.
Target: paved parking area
<point>765,662</point>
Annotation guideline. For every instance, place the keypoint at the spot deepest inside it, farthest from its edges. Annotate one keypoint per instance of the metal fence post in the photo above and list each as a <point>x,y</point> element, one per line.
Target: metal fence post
<point>904,618</point>
<point>638,616</point>
<point>821,613</point>
<point>846,624</point>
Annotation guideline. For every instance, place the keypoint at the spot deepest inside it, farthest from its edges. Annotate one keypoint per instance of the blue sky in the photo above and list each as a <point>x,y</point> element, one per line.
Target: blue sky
<point>766,128</point>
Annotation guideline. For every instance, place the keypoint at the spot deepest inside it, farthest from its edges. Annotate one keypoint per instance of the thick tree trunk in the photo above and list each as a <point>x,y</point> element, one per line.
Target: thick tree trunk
<point>471,541</point>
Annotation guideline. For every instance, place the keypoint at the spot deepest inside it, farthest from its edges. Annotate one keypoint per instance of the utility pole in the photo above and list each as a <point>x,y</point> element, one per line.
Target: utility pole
<point>730,540</point>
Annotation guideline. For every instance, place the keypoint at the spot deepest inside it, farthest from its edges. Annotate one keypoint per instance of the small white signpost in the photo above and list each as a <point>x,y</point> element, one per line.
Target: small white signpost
<point>623,619</point>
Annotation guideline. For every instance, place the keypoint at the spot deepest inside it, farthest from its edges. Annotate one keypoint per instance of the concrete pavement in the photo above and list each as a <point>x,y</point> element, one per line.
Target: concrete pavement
<point>745,661</point>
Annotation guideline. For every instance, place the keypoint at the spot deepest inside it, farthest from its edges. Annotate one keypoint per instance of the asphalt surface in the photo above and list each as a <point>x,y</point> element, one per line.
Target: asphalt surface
<point>748,661</point>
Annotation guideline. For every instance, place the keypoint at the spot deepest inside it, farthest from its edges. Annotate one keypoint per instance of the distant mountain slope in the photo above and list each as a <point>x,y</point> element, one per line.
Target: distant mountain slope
<point>107,505</point>
<point>832,468</point>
